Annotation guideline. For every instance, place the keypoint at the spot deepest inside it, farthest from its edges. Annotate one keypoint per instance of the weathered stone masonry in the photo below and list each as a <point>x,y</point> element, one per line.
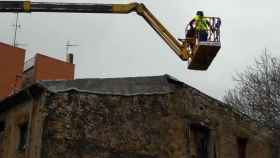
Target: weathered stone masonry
<point>129,117</point>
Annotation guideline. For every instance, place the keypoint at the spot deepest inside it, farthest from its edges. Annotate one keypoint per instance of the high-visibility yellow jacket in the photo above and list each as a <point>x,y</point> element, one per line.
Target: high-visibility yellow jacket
<point>200,23</point>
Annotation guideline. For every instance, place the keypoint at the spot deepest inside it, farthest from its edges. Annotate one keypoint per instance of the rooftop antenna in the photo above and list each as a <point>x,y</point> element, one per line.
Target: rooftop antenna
<point>68,45</point>
<point>16,27</point>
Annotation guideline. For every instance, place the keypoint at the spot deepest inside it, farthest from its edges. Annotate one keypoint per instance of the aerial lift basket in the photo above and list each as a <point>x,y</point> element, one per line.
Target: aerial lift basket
<point>203,52</point>
<point>203,55</point>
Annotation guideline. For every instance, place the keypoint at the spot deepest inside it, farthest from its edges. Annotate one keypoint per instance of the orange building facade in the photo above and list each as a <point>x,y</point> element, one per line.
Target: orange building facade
<point>60,70</point>
<point>11,67</point>
<point>42,67</point>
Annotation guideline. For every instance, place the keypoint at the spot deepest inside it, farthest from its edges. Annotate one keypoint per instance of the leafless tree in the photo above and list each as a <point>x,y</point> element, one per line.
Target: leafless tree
<point>257,92</point>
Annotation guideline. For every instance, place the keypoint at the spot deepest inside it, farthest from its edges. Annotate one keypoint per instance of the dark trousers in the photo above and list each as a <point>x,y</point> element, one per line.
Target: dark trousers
<point>202,35</point>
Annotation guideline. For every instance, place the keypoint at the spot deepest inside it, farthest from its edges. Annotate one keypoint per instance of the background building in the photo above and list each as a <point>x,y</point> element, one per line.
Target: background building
<point>11,68</point>
<point>42,67</point>
<point>17,74</point>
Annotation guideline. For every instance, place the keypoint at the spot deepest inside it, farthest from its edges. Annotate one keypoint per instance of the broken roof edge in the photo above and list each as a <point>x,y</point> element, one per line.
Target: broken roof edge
<point>126,86</point>
<point>41,86</point>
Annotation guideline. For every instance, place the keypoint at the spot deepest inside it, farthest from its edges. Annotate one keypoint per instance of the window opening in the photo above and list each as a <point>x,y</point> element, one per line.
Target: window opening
<point>2,136</point>
<point>241,147</point>
<point>200,137</point>
<point>23,129</point>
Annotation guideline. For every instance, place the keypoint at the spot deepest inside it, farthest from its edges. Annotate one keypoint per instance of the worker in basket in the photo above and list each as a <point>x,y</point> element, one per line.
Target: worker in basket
<point>190,36</point>
<point>202,26</point>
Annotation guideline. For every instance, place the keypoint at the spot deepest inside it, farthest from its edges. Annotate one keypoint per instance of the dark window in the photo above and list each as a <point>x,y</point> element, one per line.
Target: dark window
<point>2,126</point>
<point>241,147</point>
<point>200,137</point>
<point>22,136</point>
<point>2,129</point>
<point>2,136</point>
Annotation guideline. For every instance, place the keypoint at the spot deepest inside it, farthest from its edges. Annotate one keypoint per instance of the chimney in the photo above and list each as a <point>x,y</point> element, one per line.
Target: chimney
<point>69,58</point>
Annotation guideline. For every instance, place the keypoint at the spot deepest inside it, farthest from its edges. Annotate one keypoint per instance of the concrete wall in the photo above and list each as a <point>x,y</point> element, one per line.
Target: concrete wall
<point>101,126</point>
<point>11,65</point>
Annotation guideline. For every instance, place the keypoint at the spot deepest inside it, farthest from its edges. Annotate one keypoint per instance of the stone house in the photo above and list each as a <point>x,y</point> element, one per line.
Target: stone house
<point>141,117</point>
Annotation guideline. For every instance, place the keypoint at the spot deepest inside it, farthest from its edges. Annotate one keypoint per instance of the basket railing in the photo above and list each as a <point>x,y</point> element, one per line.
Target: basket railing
<point>213,31</point>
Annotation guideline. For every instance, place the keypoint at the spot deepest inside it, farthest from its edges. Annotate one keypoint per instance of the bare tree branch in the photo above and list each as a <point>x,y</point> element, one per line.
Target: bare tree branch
<point>257,92</point>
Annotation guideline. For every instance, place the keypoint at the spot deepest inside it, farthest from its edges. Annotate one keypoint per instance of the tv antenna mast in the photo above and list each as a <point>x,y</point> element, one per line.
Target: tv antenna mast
<point>16,27</point>
<point>68,45</point>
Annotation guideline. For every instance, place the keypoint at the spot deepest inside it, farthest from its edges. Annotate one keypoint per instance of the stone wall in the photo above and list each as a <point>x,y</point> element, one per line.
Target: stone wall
<point>84,125</point>
<point>81,125</point>
<point>228,125</point>
<point>22,130</point>
<point>13,119</point>
<point>180,123</point>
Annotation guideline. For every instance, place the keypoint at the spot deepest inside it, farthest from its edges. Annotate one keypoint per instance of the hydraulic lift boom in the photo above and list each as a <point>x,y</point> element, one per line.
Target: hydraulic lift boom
<point>180,48</point>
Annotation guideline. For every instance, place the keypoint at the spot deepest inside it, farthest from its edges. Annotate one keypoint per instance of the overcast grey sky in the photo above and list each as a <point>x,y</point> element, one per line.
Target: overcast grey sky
<point>126,46</point>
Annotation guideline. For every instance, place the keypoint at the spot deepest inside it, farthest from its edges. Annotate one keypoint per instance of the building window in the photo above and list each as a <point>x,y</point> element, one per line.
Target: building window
<point>200,140</point>
<point>241,147</point>
<point>2,136</point>
<point>2,130</point>
<point>23,130</point>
